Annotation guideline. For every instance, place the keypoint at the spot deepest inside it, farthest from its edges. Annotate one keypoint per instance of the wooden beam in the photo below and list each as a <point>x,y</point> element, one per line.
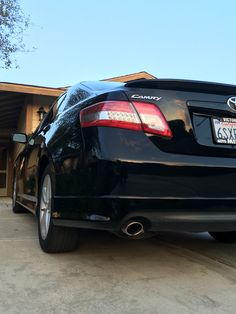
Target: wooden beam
<point>10,114</point>
<point>9,108</point>
<point>27,89</point>
<point>10,104</point>
<point>131,77</point>
<point>8,95</point>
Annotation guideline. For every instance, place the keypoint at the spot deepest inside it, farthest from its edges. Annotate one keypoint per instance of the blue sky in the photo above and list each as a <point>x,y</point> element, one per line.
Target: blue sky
<point>95,39</point>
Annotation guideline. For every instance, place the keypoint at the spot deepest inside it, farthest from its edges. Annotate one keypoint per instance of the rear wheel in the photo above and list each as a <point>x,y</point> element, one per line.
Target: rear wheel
<point>16,208</point>
<point>226,237</point>
<point>52,239</point>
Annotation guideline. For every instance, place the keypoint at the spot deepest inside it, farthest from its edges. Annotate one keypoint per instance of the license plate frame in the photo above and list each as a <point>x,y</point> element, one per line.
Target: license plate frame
<point>224,130</point>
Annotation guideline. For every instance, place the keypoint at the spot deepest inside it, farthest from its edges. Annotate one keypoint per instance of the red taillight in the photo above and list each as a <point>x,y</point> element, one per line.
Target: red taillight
<point>119,114</point>
<point>136,116</point>
<point>152,119</point>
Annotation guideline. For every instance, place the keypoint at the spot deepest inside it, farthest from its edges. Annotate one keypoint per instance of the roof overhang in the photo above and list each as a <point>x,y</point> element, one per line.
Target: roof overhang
<point>12,99</point>
<point>30,89</point>
<point>12,96</point>
<point>131,77</point>
<point>10,107</point>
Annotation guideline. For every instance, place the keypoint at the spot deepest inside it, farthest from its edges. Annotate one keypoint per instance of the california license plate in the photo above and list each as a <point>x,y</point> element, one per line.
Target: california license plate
<point>224,130</point>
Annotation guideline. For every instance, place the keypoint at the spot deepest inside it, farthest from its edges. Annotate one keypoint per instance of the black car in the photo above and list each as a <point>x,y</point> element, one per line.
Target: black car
<point>132,158</point>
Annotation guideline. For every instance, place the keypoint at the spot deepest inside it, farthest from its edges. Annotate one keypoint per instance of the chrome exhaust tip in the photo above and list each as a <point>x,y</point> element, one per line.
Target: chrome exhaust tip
<point>133,228</point>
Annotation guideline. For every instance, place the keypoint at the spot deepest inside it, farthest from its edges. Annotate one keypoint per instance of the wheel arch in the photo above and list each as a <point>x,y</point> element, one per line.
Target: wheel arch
<point>43,163</point>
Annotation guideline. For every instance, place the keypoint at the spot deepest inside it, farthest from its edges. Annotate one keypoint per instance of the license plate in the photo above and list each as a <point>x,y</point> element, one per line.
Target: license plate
<point>224,130</point>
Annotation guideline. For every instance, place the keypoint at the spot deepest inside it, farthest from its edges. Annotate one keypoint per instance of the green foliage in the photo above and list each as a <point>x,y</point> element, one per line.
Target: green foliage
<point>13,23</point>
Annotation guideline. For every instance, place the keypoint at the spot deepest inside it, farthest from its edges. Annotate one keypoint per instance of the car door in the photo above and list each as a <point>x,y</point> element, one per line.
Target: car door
<point>32,155</point>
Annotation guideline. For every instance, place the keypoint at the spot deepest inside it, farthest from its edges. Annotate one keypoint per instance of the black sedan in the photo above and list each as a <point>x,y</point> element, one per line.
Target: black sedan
<point>134,159</point>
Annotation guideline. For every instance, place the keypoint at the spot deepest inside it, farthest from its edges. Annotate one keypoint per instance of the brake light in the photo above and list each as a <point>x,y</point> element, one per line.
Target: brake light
<point>152,119</point>
<point>138,116</point>
<point>119,114</point>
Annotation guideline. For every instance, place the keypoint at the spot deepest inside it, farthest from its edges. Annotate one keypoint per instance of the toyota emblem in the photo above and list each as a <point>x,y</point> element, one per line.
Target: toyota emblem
<point>231,102</point>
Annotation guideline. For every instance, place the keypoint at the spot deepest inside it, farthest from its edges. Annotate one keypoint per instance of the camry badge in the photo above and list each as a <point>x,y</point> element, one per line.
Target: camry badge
<point>231,102</point>
<point>136,96</point>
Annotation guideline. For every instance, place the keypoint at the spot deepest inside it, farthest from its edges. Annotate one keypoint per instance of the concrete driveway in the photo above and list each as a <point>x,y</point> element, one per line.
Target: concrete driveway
<point>175,273</point>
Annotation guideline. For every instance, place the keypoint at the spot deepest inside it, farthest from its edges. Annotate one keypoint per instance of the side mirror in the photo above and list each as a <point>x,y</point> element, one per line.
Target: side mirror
<point>19,138</point>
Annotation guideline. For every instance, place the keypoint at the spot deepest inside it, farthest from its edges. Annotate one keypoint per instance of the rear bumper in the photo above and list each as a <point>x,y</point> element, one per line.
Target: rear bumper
<point>125,176</point>
<point>193,215</point>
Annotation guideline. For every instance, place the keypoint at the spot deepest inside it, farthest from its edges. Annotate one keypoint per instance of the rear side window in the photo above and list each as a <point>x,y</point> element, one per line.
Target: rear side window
<point>72,97</point>
<point>51,113</point>
<point>76,96</point>
<point>61,104</point>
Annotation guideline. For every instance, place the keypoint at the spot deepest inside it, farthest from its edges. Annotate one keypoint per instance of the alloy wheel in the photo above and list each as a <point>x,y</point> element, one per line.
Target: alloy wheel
<point>45,206</point>
<point>14,193</point>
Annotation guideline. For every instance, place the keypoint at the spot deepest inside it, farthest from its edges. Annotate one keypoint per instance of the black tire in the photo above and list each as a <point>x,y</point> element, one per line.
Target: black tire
<point>16,208</point>
<point>225,237</point>
<point>57,239</point>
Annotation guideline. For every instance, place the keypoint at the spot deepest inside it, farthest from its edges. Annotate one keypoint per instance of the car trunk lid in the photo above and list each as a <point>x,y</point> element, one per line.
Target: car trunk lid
<point>197,113</point>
